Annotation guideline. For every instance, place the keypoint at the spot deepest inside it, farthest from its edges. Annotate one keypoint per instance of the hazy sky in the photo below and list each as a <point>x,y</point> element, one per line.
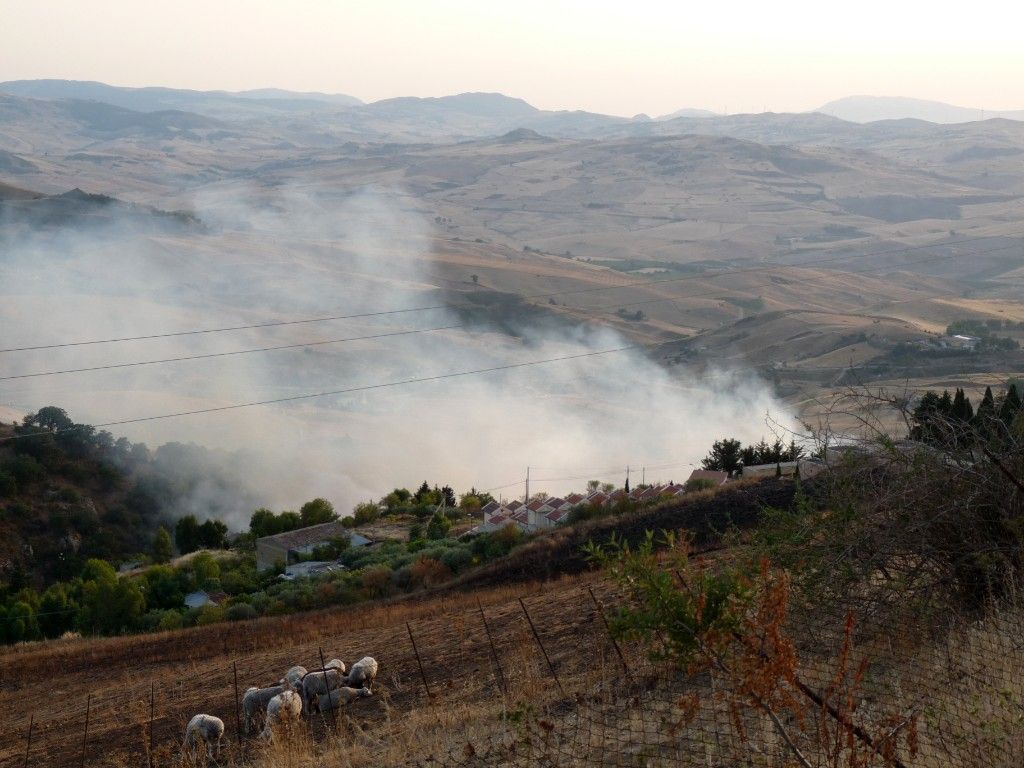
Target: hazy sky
<point>620,57</point>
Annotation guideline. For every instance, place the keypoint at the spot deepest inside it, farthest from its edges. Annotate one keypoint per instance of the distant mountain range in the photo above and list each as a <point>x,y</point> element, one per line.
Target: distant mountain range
<point>869,109</point>
<point>155,99</point>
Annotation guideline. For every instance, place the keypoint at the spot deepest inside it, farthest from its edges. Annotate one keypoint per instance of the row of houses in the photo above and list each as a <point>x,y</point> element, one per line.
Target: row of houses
<point>549,512</point>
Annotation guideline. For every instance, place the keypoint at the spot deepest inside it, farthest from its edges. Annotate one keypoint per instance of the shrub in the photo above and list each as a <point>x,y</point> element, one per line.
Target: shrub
<point>457,559</point>
<point>376,579</point>
<point>169,620</point>
<point>438,526</point>
<point>240,612</point>
<point>364,513</point>
<point>699,484</point>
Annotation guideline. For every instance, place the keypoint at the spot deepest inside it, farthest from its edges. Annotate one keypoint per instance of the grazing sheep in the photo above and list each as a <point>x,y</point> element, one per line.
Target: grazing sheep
<point>362,673</point>
<point>207,729</point>
<point>254,703</point>
<point>316,683</point>
<point>337,664</point>
<point>283,709</point>
<point>294,676</point>
<point>342,697</point>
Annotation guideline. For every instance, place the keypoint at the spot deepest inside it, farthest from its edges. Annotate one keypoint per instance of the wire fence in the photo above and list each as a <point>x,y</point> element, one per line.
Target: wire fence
<point>540,681</point>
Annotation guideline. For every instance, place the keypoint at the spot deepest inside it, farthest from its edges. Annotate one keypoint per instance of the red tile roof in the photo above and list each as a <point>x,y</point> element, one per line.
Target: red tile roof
<point>557,515</point>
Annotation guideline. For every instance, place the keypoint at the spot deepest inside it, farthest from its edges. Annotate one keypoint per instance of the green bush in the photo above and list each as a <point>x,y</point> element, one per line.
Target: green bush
<point>241,612</point>
<point>457,559</point>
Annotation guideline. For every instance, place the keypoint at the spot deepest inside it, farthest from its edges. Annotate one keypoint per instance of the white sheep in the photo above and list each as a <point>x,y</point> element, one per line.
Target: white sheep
<point>254,703</point>
<point>362,673</point>
<point>342,697</point>
<point>294,676</point>
<point>337,664</point>
<point>284,709</point>
<point>316,683</point>
<point>207,729</point>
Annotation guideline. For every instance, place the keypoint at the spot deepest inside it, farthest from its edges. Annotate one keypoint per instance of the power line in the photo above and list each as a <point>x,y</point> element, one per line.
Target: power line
<point>347,390</point>
<point>228,354</point>
<point>204,356</point>
<point>635,284</point>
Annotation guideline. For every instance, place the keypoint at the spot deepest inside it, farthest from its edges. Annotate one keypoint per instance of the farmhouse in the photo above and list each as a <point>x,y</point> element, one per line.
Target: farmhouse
<point>286,547</point>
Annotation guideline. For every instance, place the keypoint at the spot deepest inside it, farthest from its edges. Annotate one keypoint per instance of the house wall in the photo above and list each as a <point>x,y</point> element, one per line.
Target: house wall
<point>268,553</point>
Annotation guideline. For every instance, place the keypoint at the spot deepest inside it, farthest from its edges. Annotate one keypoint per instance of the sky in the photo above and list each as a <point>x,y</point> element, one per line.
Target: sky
<point>619,58</point>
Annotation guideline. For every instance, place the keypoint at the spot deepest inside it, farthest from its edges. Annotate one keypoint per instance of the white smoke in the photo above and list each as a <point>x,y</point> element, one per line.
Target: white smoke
<point>281,254</point>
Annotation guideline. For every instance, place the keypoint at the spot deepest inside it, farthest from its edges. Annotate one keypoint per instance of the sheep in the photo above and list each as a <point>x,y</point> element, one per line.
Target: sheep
<point>341,697</point>
<point>283,709</point>
<point>337,664</point>
<point>207,729</point>
<point>362,673</point>
<point>254,703</point>
<point>293,676</point>
<point>316,683</point>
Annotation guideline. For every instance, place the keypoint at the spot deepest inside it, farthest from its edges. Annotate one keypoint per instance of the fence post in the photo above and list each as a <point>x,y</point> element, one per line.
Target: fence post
<point>327,686</point>
<point>419,662</point>
<point>85,733</point>
<point>494,653</point>
<point>152,709</point>
<point>600,612</point>
<point>541,646</point>
<point>238,719</point>
<point>28,747</point>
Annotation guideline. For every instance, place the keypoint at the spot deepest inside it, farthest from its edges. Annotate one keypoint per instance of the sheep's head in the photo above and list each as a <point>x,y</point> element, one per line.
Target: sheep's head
<point>364,692</point>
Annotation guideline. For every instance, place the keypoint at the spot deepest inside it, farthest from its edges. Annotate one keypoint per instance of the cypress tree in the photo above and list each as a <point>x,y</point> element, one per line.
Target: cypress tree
<point>986,414</point>
<point>1010,407</point>
<point>962,409</point>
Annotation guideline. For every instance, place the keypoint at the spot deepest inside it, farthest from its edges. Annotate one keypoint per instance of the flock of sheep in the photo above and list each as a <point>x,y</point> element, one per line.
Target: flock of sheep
<point>283,704</point>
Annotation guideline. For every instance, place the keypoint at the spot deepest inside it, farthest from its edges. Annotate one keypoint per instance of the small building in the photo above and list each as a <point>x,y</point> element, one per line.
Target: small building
<point>201,598</point>
<point>285,548</point>
<point>712,476</point>
<point>963,341</point>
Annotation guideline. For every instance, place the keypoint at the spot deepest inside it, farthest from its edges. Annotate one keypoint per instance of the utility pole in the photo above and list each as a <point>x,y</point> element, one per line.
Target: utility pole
<point>627,478</point>
<point>643,476</point>
<point>527,499</point>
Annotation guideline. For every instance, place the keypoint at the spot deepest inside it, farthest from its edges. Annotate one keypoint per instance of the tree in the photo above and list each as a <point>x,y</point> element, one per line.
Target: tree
<point>162,588</point>
<point>448,495</point>
<point>316,512</point>
<point>1010,406</point>
<point>963,412</point>
<point>438,526</point>
<point>422,492</point>
<point>56,611</point>
<point>475,279</point>
<point>724,456</point>
<point>366,512</point>
<point>109,605</point>
<point>213,534</point>
<point>985,417</point>
<point>263,522</point>
<point>50,418</point>
<point>162,546</point>
<point>186,534</point>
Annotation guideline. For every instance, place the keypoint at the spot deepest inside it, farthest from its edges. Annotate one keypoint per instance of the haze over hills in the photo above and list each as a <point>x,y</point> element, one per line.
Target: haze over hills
<point>153,99</point>
<point>803,247</point>
<point>867,109</point>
